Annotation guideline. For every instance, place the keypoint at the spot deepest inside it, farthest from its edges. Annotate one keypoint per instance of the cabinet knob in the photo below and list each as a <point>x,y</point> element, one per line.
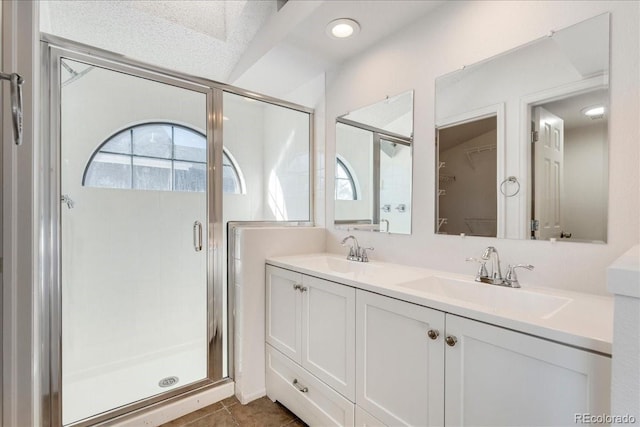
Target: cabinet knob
<point>299,386</point>
<point>433,334</point>
<point>297,286</point>
<point>451,340</point>
<point>303,289</point>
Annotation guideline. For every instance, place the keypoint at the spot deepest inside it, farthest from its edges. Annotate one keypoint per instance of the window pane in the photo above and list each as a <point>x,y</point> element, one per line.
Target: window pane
<point>345,187</point>
<point>341,173</point>
<point>230,182</point>
<point>151,174</point>
<point>189,145</point>
<point>190,176</point>
<point>344,190</point>
<point>120,143</point>
<point>152,141</point>
<point>110,171</point>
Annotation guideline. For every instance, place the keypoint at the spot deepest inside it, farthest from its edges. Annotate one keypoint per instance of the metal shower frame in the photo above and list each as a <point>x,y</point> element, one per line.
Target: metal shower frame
<point>53,50</point>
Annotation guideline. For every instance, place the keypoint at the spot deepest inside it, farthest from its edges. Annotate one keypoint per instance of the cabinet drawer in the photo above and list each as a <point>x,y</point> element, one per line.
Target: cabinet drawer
<point>319,405</point>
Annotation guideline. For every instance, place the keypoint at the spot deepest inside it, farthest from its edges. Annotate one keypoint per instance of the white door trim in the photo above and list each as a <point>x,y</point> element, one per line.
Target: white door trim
<point>21,281</point>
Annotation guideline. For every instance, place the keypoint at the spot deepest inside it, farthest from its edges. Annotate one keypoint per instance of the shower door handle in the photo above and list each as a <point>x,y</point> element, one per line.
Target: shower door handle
<point>197,236</point>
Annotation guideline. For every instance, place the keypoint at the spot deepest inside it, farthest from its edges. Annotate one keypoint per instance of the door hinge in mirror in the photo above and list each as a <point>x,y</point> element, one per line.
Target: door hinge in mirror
<point>534,136</point>
<point>535,225</point>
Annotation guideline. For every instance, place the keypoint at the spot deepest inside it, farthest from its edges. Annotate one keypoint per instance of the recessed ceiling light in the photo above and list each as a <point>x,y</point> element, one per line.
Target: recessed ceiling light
<point>595,111</point>
<point>342,28</point>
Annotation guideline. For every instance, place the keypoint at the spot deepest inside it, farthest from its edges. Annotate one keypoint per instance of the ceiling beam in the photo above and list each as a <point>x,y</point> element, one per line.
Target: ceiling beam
<point>273,32</point>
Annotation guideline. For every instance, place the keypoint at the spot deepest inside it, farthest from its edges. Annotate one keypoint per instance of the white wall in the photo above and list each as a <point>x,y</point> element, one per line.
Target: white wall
<point>585,182</point>
<point>623,279</point>
<point>460,33</point>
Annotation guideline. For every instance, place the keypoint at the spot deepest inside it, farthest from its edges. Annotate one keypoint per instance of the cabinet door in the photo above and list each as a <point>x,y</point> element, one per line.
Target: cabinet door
<point>400,370</point>
<point>499,377</point>
<point>365,419</point>
<point>283,300</point>
<point>328,333</point>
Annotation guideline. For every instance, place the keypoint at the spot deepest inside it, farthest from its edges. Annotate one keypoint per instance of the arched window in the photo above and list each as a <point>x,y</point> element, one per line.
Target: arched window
<point>345,184</point>
<point>157,156</point>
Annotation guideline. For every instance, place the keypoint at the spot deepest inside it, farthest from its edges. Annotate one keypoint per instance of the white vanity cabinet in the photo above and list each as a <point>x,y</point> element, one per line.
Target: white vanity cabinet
<point>399,369</point>
<point>339,354</point>
<point>312,322</point>
<point>498,377</point>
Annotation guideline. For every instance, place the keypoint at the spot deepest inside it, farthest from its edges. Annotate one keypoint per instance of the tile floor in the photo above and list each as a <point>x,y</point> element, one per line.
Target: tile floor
<point>230,413</point>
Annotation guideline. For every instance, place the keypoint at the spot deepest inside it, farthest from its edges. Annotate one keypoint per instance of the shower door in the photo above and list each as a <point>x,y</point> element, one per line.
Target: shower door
<point>135,267</point>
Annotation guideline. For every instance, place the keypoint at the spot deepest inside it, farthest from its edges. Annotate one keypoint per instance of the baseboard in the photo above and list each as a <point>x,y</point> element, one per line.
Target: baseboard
<point>246,398</point>
<point>165,413</point>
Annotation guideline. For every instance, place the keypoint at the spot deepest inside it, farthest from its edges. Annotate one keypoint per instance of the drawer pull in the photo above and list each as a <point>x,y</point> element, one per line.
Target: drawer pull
<point>433,333</point>
<point>451,340</point>
<point>299,386</point>
<point>297,286</point>
<point>303,289</point>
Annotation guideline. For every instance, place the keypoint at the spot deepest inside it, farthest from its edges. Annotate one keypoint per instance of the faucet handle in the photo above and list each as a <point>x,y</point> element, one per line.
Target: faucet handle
<point>363,254</point>
<point>482,270</point>
<point>512,278</point>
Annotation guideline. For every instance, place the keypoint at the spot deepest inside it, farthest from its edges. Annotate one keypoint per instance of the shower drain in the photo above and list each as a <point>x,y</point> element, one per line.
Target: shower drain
<point>168,382</point>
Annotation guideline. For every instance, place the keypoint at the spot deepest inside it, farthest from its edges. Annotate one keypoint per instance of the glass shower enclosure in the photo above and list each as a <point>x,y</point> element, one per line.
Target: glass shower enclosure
<point>137,165</point>
<point>136,313</point>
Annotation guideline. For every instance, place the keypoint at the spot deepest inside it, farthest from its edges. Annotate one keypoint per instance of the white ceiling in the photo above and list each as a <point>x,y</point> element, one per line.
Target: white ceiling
<point>307,42</point>
<point>203,38</point>
<point>243,42</point>
<point>570,109</point>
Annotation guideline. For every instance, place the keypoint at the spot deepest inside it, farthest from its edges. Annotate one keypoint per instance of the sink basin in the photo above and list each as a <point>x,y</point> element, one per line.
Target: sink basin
<point>370,272</point>
<point>495,299</point>
<point>335,265</point>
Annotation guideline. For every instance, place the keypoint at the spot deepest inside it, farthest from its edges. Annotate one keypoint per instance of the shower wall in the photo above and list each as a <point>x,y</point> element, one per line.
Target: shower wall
<point>271,146</point>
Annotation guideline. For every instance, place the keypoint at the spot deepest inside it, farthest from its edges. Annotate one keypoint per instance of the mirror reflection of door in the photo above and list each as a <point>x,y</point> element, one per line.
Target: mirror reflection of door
<point>548,174</point>
<point>467,174</point>
<point>570,167</point>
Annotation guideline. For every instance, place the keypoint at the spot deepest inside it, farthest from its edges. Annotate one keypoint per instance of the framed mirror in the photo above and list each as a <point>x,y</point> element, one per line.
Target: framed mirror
<point>373,169</point>
<point>522,140</point>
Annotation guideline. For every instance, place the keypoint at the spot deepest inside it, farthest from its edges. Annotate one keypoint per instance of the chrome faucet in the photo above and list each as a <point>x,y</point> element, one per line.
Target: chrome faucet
<point>356,252</point>
<point>495,278</point>
<point>491,253</point>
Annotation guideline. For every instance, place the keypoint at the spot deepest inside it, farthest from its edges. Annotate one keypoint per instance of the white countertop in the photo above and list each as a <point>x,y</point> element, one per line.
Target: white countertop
<point>584,321</point>
<point>623,276</point>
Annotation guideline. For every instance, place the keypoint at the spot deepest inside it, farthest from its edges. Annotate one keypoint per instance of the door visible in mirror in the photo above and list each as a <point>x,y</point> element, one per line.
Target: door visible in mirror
<point>569,154</point>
